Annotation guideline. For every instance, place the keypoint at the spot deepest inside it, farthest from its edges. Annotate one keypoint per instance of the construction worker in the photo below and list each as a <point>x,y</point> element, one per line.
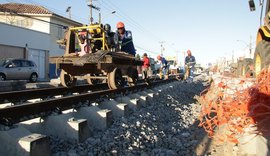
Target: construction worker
<point>123,38</point>
<point>164,67</point>
<point>189,66</point>
<point>145,67</point>
<point>109,36</point>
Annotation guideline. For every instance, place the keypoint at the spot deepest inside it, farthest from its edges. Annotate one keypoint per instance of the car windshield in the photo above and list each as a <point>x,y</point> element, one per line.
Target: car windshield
<point>3,62</point>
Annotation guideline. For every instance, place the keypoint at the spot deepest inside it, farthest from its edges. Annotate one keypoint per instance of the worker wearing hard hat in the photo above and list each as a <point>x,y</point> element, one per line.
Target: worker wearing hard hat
<point>164,67</point>
<point>145,67</point>
<point>189,66</point>
<point>123,38</point>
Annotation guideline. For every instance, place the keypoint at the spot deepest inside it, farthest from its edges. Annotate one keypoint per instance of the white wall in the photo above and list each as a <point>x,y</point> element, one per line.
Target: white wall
<point>41,25</point>
<point>57,32</point>
<point>47,24</point>
<point>19,37</point>
<point>38,23</point>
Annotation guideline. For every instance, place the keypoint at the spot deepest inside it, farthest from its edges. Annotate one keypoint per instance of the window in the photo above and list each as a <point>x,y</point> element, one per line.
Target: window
<point>16,63</point>
<point>60,32</point>
<point>25,63</point>
<point>32,64</point>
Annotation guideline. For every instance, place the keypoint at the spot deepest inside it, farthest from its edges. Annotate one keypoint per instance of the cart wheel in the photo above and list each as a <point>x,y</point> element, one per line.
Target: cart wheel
<point>115,79</point>
<point>108,80</point>
<point>66,79</point>
<point>133,77</point>
<point>92,81</point>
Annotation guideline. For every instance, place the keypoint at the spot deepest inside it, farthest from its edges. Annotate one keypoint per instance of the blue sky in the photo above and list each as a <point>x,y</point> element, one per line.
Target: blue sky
<point>210,28</point>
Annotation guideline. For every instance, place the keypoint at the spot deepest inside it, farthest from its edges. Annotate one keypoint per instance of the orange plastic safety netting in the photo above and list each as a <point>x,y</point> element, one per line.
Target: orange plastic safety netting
<point>233,107</point>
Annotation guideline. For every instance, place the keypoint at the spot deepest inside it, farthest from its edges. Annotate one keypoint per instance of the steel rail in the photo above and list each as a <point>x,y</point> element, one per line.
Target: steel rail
<point>42,93</point>
<point>23,95</point>
<point>18,113</point>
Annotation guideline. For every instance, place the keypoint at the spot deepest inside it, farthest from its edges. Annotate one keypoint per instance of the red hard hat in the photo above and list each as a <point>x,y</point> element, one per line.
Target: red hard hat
<point>158,57</point>
<point>120,25</point>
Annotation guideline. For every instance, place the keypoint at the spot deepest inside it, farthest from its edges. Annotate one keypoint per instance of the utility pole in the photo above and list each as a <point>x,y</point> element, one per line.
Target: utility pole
<point>162,48</point>
<point>250,46</point>
<point>232,56</point>
<point>91,10</point>
<point>177,57</point>
<point>184,56</point>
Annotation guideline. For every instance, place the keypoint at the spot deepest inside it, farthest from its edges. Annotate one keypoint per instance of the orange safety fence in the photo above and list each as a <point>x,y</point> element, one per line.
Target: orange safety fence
<point>232,108</point>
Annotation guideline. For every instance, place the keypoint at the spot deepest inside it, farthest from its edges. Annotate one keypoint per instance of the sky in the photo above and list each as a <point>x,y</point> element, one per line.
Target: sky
<point>211,29</point>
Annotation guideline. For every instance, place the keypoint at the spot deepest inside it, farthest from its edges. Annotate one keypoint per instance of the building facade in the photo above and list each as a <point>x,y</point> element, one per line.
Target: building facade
<point>31,31</point>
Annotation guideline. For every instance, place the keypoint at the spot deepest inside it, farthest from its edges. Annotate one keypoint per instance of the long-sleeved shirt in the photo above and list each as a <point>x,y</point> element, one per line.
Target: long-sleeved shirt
<point>190,59</point>
<point>146,62</point>
<point>163,62</point>
<point>126,42</point>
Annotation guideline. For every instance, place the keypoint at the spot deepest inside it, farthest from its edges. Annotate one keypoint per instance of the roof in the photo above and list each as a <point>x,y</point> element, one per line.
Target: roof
<point>19,8</point>
<point>24,8</point>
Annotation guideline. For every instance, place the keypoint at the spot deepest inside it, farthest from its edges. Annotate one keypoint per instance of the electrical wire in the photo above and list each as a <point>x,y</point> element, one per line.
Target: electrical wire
<point>107,6</point>
<point>62,13</point>
<point>129,20</point>
<point>28,16</point>
<point>133,22</point>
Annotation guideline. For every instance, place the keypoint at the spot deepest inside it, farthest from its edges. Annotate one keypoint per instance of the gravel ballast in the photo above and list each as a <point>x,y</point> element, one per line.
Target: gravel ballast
<point>166,127</point>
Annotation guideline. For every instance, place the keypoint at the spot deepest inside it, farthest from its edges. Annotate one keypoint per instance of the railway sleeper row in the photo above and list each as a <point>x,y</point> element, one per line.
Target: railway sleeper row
<point>31,137</point>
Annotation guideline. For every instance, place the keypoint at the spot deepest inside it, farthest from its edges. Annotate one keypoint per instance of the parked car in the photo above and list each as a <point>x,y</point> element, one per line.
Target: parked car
<point>18,69</point>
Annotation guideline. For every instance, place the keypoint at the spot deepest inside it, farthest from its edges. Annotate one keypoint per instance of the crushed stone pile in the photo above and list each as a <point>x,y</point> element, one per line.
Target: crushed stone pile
<point>166,127</point>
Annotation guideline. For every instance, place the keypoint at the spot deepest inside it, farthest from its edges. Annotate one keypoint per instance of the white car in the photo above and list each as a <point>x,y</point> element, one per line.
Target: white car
<point>18,69</point>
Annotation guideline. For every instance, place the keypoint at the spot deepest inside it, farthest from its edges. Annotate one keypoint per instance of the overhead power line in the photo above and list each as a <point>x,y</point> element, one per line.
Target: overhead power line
<point>107,5</point>
<point>133,23</point>
<point>3,9</point>
<point>57,11</point>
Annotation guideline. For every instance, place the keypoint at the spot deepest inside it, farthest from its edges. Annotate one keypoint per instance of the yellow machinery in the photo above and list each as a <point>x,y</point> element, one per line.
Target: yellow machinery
<point>262,52</point>
<point>92,53</point>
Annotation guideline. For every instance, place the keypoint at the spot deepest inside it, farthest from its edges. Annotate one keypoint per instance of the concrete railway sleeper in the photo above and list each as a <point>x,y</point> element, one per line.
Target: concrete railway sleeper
<point>26,128</point>
<point>22,96</point>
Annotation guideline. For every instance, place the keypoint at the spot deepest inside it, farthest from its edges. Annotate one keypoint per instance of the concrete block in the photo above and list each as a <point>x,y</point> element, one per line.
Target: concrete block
<point>55,82</point>
<point>97,119</point>
<point>156,93</point>
<point>82,131</point>
<point>158,90</point>
<point>5,105</point>
<point>64,126</point>
<point>118,109</point>
<point>148,94</point>
<point>36,144</point>
<point>58,96</point>
<point>133,104</point>
<point>19,141</point>
<point>34,100</point>
<point>143,99</point>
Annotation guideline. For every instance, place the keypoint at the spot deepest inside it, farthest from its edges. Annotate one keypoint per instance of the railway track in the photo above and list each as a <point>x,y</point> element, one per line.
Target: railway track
<point>19,97</point>
<point>27,110</point>
<point>72,116</point>
<point>47,93</point>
